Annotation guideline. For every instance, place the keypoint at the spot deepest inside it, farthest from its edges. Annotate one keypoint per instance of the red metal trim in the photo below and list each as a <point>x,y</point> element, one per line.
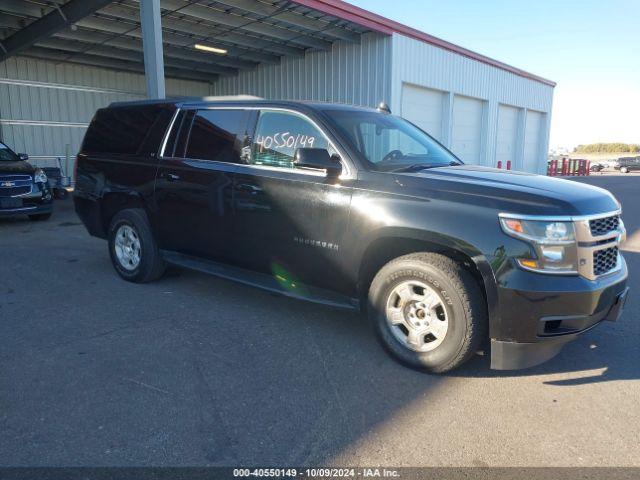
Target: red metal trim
<point>378,23</point>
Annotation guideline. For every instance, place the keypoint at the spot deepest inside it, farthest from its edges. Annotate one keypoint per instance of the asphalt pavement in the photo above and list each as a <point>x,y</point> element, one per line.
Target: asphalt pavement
<point>193,370</point>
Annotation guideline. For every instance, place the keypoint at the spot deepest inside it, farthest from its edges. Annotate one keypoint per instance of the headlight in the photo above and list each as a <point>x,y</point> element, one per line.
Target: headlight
<point>553,241</point>
<point>39,176</point>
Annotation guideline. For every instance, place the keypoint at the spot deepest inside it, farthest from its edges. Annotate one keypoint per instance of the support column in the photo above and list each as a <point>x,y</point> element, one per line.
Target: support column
<point>152,46</point>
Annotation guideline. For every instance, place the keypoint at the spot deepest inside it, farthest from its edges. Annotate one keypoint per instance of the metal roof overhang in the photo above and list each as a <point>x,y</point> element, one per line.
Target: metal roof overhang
<point>108,33</point>
<point>378,23</point>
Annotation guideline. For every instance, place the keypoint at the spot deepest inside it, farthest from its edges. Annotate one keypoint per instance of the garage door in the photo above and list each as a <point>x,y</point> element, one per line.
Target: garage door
<point>466,134</point>
<point>423,107</point>
<point>531,159</point>
<point>507,135</point>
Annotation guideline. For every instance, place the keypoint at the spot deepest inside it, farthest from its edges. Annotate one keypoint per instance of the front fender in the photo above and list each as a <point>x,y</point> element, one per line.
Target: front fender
<point>456,247</point>
<point>470,232</point>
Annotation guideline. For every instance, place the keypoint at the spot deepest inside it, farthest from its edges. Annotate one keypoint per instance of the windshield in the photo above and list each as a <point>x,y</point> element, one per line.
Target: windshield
<point>390,143</point>
<point>6,154</point>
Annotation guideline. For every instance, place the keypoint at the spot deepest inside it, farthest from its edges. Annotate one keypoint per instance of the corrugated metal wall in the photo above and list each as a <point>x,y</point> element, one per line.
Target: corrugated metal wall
<point>418,63</point>
<point>348,73</point>
<point>45,106</point>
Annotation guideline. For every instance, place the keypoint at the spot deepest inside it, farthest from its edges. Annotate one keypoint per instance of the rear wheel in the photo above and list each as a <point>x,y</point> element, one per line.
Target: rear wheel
<point>428,311</point>
<point>133,249</point>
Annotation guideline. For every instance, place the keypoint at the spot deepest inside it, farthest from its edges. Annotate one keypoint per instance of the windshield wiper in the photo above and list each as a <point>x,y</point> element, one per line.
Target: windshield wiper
<point>416,167</point>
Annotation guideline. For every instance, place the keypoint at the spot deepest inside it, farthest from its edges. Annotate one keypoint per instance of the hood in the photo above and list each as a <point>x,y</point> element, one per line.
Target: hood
<point>8,168</point>
<point>514,192</point>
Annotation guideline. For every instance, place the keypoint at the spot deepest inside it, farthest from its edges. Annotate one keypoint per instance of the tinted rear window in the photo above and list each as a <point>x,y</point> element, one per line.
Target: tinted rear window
<point>128,130</point>
<point>214,134</point>
<point>183,134</point>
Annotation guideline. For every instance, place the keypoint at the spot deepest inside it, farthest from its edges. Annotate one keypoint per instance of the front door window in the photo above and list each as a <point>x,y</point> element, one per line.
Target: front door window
<point>278,136</point>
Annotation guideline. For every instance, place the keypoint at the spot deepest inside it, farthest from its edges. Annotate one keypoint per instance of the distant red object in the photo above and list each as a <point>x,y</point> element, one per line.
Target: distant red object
<point>569,167</point>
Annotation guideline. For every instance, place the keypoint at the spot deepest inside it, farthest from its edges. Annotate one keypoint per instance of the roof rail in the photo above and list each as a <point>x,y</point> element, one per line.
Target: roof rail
<point>223,98</point>
<point>181,99</point>
<point>131,103</point>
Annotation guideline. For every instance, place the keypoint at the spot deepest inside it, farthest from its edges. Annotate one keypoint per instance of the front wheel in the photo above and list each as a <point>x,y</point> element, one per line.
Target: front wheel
<point>133,249</point>
<point>60,193</point>
<point>624,170</point>
<point>428,311</point>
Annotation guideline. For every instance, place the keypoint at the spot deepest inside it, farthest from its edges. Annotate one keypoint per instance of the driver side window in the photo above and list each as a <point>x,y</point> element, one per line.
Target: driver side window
<point>278,136</point>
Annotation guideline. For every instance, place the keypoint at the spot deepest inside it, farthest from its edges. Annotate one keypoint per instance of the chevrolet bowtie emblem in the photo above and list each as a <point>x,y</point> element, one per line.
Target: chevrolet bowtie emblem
<point>8,184</point>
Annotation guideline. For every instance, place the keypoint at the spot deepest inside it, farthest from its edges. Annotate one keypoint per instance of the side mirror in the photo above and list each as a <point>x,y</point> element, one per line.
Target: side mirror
<point>318,158</point>
<point>23,156</point>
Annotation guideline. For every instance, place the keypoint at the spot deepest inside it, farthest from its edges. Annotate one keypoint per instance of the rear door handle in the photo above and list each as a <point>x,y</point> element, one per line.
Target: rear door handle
<point>171,177</point>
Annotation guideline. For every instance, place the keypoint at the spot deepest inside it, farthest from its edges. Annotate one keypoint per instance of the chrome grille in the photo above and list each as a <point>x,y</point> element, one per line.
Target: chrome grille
<point>12,185</point>
<point>599,237</point>
<point>602,226</point>
<point>605,260</point>
<point>12,192</point>
<point>15,178</point>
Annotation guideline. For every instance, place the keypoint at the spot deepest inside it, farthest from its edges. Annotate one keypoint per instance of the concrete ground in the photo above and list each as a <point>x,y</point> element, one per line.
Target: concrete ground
<point>193,370</point>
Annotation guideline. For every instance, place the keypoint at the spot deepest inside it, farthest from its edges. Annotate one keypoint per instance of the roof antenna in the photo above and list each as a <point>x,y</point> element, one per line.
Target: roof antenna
<point>383,108</point>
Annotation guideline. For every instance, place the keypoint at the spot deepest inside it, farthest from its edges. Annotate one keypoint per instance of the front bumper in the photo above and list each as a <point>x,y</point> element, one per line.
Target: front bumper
<point>33,210</point>
<point>38,201</point>
<point>539,313</point>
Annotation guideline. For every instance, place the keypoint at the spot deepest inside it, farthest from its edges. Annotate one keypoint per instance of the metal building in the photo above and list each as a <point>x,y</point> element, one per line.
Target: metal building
<point>60,60</point>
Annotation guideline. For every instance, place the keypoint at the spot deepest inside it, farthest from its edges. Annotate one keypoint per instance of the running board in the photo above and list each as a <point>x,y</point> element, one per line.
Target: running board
<point>263,281</point>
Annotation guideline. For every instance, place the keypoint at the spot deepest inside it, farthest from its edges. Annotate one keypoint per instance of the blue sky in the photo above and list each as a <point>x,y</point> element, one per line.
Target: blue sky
<point>590,48</point>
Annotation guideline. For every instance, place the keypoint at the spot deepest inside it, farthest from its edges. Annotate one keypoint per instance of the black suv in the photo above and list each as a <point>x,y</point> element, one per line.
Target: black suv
<point>355,208</point>
<point>24,189</point>
<point>628,164</point>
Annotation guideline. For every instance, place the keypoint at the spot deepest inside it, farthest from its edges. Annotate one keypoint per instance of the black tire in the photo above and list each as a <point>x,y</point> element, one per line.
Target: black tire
<point>60,193</point>
<point>40,217</point>
<point>624,170</point>
<point>151,265</point>
<point>461,298</point>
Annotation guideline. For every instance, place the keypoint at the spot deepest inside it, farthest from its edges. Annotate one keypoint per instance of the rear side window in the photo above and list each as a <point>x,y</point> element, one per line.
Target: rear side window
<point>136,130</point>
<point>217,135</point>
<point>151,143</point>
<point>183,134</point>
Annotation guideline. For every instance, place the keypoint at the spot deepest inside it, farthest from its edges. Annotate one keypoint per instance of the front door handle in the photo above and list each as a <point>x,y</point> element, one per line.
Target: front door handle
<point>171,177</point>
